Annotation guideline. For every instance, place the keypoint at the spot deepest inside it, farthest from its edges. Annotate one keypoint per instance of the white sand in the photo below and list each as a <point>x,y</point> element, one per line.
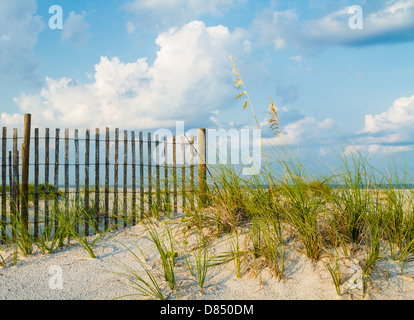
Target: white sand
<point>85,278</point>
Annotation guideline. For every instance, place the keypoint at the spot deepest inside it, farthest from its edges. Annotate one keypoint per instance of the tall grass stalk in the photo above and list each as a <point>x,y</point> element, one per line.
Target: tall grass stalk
<point>23,239</point>
<point>273,247</point>
<point>302,210</point>
<point>147,285</point>
<point>202,260</point>
<point>165,247</point>
<point>236,252</point>
<point>238,85</point>
<point>334,269</point>
<point>354,200</point>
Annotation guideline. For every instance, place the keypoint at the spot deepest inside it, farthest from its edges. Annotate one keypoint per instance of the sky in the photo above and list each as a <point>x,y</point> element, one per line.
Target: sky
<point>340,78</point>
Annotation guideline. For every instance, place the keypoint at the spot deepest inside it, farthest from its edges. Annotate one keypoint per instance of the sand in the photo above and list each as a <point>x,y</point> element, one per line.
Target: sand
<point>84,278</point>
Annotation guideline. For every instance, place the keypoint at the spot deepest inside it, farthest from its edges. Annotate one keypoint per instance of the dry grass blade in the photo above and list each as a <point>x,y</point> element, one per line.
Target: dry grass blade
<point>275,126</point>
<point>274,120</point>
<point>238,84</point>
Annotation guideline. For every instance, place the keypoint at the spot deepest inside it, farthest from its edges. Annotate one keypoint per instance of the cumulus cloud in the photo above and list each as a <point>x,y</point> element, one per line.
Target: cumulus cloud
<point>390,131</point>
<point>306,132</point>
<point>387,22</point>
<point>19,29</point>
<point>11,120</point>
<point>190,79</point>
<point>399,117</point>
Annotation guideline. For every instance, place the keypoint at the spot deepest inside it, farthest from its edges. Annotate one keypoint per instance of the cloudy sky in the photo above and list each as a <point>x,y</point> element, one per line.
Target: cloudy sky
<point>145,64</point>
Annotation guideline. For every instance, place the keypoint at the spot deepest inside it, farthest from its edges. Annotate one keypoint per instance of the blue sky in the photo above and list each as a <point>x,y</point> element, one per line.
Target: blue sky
<point>143,65</point>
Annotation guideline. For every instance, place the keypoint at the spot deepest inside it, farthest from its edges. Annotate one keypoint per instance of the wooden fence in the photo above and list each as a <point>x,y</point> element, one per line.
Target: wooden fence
<point>147,184</point>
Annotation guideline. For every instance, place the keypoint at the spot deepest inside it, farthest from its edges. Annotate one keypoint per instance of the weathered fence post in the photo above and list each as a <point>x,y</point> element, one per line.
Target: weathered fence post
<point>47,191</point>
<point>15,186</point>
<point>149,172</point>
<point>25,170</point>
<point>36,183</point>
<point>134,181</point>
<point>125,185</point>
<point>66,171</point>
<point>202,166</point>
<point>86,200</point>
<point>97,179</point>
<point>107,146</point>
<point>175,196</point>
<point>115,203</point>
<point>157,171</point>
<point>56,181</point>
<point>141,175</point>
<point>183,172</point>
<point>167,207</point>
<point>77,173</point>
<point>3,189</point>
<point>192,171</point>
<point>11,202</point>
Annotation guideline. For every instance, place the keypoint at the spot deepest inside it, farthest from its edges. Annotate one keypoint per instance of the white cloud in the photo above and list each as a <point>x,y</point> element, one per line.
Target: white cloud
<point>75,29</point>
<point>399,117</point>
<point>189,80</point>
<point>391,131</point>
<point>306,129</point>
<point>304,132</point>
<point>11,120</point>
<point>19,28</point>
<point>392,22</point>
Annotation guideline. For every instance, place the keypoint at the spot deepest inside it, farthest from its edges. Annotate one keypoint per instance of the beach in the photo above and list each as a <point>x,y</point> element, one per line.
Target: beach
<point>83,278</point>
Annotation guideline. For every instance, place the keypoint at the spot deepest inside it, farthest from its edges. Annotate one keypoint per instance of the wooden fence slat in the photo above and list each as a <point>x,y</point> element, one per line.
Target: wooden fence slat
<point>56,180</point>
<point>125,183</point>
<point>18,183</point>
<point>3,189</point>
<point>157,170</point>
<point>141,174</point>
<point>202,168</point>
<point>192,171</point>
<point>25,156</point>
<point>86,200</point>
<point>36,183</point>
<point>149,172</point>
<point>97,191</point>
<point>183,193</point>
<point>15,204</point>
<point>66,171</point>
<point>47,143</point>
<point>11,188</point>
<point>175,173</point>
<point>107,178</point>
<point>134,182</point>
<point>166,186</point>
<point>77,182</point>
<point>115,209</point>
